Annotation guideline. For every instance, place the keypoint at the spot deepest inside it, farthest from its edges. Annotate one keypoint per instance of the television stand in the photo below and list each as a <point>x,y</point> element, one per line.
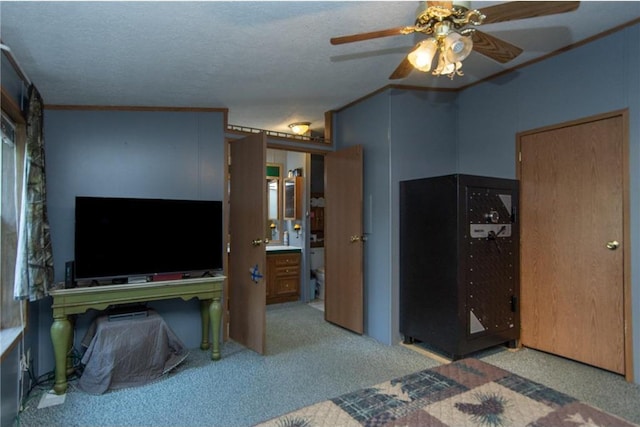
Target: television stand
<point>67,302</point>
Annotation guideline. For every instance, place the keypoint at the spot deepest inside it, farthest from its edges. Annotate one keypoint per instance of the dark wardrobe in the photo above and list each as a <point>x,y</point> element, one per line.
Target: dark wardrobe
<point>459,263</point>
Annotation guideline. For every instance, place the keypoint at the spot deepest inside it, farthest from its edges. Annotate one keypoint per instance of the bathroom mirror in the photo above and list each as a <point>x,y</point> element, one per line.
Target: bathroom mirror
<point>274,214</point>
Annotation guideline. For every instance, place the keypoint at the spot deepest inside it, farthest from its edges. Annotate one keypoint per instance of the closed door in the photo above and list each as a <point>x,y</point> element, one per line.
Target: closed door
<point>344,287</point>
<point>573,241</point>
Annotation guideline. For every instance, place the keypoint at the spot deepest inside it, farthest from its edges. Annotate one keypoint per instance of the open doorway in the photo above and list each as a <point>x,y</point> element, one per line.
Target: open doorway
<point>303,232</point>
<point>285,274</point>
<point>341,173</point>
<point>316,229</point>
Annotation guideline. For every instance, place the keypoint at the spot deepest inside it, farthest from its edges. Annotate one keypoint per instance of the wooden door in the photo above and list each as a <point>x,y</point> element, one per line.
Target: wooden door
<point>344,288</point>
<point>572,209</point>
<point>247,259</point>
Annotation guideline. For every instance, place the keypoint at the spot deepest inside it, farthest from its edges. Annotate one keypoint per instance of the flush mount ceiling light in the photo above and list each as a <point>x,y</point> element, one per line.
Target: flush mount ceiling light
<point>449,26</point>
<point>300,128</point>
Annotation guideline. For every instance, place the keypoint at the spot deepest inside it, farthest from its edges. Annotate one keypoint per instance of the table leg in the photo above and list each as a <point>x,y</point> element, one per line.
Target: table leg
<point>70,366</point>
<point>61,339</point>
<point>215,313</point>
<point>204,317</point>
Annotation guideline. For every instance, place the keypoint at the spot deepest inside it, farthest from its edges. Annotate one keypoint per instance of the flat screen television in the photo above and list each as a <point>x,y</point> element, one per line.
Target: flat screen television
<point>126,237</point>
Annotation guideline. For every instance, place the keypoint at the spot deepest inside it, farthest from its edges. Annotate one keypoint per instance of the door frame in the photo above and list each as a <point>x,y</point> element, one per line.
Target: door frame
<point>627,315</point>
<point>304,283</point>
<point>306,254</point>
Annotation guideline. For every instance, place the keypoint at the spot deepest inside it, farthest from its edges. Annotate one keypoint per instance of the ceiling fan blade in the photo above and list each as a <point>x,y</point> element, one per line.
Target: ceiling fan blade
<point>372,35</point>
<point>494,47</point>
<point>526,9</point>
<point>402,70</point>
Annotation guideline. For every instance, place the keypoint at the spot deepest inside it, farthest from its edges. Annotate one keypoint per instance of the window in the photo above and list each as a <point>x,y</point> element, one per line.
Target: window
<point>10,310</point>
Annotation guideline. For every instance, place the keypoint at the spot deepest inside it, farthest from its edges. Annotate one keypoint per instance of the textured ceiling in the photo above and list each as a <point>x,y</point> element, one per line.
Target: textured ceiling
<point>269,63</point>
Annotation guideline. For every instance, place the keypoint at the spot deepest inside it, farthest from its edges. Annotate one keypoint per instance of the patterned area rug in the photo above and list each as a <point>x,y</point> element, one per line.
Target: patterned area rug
<point>467,392</point>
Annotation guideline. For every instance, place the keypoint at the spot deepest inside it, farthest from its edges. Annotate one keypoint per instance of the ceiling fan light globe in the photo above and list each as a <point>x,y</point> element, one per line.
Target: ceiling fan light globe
<point>422,56</point>
<point>448,69</point>
<point>457,47</point>
<point>422,61</point>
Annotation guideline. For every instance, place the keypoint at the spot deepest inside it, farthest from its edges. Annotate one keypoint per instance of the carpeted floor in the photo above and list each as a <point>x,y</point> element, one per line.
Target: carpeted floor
<point>467,392</point>
<point>600,388</point>
<point>308,360</point>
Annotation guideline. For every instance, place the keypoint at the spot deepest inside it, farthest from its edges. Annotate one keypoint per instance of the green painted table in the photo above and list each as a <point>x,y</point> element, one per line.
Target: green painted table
<point>67,302</point>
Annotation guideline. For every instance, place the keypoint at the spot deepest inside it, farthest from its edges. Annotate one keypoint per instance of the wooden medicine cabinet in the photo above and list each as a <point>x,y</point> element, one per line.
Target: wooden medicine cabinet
<point>293,198</point>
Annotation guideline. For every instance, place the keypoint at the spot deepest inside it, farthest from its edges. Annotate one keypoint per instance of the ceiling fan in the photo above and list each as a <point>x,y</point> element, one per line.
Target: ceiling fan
<point>452,36</point>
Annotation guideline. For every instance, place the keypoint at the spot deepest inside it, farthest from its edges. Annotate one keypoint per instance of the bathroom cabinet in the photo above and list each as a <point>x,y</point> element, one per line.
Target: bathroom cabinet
<point>283,276</point>
<point>293,198</point>
<point>317,226</point>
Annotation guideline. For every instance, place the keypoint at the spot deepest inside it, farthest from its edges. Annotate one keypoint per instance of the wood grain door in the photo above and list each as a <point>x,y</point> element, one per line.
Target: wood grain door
<point>344,287</point>
<point>247,259</point>
<point>573,241</point>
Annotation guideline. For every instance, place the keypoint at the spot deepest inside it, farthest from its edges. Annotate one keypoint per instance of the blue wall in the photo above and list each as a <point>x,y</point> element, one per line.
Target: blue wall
<point>597,78</point>
<point>408,135</point>
<point>155,154</point>
<point>593,79</point>
<point>405,134</point>
<point>368,124</point>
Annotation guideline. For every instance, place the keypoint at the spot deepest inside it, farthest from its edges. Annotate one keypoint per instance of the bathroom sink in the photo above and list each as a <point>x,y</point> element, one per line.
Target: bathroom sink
<point>272,248</point>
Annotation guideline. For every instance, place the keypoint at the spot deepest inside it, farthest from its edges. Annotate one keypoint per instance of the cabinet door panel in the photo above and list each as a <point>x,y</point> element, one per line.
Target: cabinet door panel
<point>287,286</point>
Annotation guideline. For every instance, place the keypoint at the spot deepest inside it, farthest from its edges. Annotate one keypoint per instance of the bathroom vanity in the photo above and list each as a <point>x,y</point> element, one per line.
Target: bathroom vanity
<point>283,274</point>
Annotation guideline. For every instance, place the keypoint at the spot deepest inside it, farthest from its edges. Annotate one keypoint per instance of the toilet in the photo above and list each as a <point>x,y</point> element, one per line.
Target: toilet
<point>317,268</point>
<point>320,281</point>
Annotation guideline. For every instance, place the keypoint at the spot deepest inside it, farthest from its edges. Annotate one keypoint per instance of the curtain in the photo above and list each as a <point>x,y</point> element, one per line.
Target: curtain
<point>34,263</point>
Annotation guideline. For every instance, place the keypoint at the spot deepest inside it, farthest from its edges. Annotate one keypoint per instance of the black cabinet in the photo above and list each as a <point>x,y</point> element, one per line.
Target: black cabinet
<point>459,262</point>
